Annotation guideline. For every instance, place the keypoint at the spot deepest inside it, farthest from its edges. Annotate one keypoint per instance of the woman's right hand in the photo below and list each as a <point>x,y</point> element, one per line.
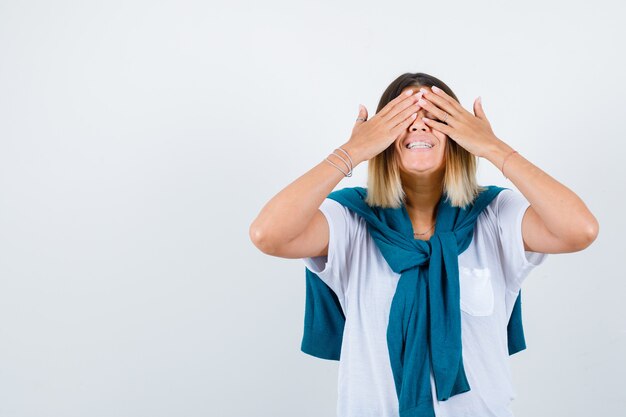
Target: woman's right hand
<point>371,137</point>
<point>291,224</point>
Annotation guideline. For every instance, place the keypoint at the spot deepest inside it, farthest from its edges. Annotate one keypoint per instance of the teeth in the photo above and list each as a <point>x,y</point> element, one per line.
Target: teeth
<point>418,145</point>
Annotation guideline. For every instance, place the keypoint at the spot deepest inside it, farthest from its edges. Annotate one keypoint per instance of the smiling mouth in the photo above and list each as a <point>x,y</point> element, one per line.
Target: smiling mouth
<point>419,145</point>
<point>420,150</point>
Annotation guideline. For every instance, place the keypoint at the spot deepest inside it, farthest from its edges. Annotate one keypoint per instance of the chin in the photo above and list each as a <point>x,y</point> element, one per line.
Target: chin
<point>418,171</point>
<point>420,167</point>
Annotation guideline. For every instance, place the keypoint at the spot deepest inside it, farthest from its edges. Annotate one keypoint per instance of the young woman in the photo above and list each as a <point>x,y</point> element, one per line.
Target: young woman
<point>424,265</point>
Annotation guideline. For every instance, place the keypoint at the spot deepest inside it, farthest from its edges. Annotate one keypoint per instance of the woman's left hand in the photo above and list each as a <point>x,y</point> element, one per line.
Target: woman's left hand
<point>472,132</point>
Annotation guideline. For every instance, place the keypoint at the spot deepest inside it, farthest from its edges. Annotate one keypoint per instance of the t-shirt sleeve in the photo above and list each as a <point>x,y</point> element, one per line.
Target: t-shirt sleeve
<point>333,269</point>
<point>517,262</point>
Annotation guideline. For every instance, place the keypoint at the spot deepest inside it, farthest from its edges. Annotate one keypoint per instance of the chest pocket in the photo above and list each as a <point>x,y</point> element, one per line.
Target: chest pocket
<point>477,297</point>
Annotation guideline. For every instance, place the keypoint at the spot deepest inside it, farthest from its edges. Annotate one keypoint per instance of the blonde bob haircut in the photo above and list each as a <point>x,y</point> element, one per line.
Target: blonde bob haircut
<point>384,185</point>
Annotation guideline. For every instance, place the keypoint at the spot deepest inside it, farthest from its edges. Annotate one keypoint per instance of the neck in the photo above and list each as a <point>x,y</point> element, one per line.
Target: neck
<point>422,196</point>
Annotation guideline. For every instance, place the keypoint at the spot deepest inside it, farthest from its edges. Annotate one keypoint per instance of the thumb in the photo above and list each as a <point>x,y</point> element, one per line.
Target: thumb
<point>362,114</point>
<point>478,109</point>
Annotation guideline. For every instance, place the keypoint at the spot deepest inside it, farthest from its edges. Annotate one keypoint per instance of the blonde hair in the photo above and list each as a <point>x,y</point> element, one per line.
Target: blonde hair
<point>384,185</point>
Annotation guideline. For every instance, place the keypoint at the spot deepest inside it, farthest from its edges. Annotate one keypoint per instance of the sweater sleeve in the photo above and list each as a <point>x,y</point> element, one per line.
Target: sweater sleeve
<point>333,269</point>
<point>517,262</point>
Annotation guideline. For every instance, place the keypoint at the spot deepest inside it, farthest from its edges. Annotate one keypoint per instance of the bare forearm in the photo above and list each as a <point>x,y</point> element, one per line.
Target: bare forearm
<point>289,212</point>
<point>562,211</point>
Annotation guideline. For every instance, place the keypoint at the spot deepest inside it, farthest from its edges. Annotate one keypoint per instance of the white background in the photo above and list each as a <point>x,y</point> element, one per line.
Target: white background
<point>139,139</point>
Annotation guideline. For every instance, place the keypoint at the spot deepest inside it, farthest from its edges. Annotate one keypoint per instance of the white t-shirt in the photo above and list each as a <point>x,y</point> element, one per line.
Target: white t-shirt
<point>491,271</point>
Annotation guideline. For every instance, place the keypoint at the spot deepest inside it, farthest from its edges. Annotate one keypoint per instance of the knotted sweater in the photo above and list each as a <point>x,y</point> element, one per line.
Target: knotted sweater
<point>424,330</point>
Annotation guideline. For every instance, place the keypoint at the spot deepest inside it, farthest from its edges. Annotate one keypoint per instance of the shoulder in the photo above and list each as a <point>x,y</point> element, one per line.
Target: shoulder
<point>495,198</point>
<point>499,208</point>
<point>338,213</point>
<point>509,201</point>
<point>348,193</point>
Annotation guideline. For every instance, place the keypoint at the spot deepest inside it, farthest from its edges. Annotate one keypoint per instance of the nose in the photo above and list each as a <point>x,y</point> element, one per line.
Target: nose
<point>418,123</point>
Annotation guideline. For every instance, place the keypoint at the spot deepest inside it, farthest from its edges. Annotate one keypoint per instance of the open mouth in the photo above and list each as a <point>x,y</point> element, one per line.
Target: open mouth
<point>419,146</point>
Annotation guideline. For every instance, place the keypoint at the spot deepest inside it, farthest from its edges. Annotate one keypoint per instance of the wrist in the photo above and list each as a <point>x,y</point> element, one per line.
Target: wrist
<point>497,152</point>
<point>354,153</point>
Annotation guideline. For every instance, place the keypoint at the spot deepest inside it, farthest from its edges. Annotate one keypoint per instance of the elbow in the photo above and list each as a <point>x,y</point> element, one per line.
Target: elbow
<point>259,238</point>
<point>593,228</point>
<point>589,235</point>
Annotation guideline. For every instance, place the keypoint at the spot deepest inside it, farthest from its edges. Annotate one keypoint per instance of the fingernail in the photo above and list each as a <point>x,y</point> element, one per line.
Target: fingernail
<point>435,88</point>
<point>408,92</point>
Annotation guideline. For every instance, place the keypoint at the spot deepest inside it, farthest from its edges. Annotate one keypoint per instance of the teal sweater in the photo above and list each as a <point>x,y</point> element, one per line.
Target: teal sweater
<point>425,315</point>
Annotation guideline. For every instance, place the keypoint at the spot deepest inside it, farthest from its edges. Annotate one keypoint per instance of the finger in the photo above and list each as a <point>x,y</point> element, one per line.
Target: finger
<point>404,113</point>
<point>440,93</point>
<point>444,128</point>
<point>398,104</point>
<point>439,114</point>
<point>403,110</point>
<point>440,102</point>
<point>362,115</point>
<point>397,129</point>
<point>478,109</point>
